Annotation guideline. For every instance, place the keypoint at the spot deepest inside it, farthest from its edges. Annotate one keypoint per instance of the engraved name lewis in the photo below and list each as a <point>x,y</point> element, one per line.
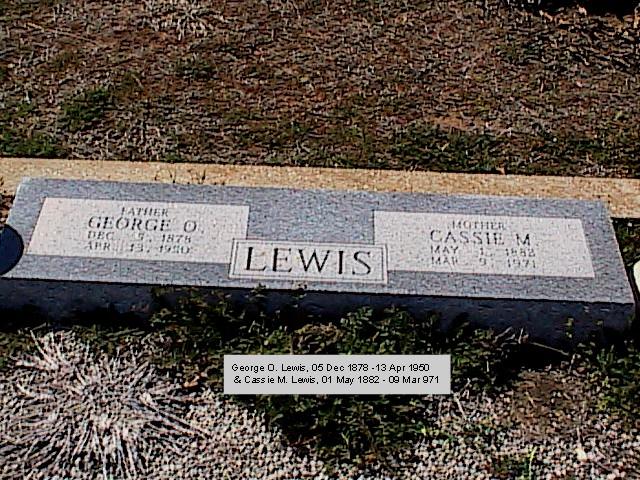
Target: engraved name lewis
<point>332,262</point>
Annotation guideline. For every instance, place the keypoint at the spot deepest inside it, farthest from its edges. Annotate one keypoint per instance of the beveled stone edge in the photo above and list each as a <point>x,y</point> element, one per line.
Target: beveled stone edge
<point>636,278</point>
<point>622,196</point>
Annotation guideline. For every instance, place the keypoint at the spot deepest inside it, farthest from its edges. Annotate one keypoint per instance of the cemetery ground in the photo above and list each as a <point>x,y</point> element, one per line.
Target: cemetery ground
<point>442,86</point>
<point>521,409</point>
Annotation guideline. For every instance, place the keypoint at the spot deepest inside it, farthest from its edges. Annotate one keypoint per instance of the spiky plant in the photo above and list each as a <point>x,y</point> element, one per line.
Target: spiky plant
<point>65,409</point>
<point>67,412</point>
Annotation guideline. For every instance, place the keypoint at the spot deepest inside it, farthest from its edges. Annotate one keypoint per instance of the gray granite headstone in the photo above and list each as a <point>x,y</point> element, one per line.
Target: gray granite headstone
<point>498,261</point>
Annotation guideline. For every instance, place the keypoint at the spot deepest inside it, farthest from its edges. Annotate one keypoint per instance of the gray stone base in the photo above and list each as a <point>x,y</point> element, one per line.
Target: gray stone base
<point>548,321</point>
<point>497,261</point>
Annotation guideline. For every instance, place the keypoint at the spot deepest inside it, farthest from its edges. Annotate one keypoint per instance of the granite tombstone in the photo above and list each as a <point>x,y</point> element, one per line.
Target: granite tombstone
<point>498,261</point>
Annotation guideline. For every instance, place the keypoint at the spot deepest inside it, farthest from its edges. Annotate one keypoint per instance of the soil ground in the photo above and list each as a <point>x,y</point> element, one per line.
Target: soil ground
<point>474,86</point>
<point>543,398</point>
<point>457,85</point>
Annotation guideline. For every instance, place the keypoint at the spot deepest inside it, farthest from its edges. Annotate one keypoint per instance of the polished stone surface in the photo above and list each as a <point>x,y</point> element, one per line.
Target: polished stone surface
<point>502,260</point>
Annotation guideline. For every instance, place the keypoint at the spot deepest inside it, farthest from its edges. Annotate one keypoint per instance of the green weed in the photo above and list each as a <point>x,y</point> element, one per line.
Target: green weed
<point>515,467</point>
<point>196,68</point>
<point>83,110</point>
<point>628,234</point>
<point>42,145</point>
<point>64,60</point>
<point>431,148</point>
<point>615,371</point>
<point>201,333</point>
<point>128,87</point>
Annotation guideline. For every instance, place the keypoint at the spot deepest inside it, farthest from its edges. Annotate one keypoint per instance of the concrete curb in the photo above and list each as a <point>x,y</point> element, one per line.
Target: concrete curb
<point>621,195</point>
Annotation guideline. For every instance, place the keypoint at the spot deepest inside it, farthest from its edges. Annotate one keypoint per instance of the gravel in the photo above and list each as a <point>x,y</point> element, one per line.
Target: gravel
<point>69,412</point>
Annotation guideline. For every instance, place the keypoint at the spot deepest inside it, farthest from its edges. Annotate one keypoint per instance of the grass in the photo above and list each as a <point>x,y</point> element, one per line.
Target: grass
<point>24,7</point>
<point>196,334</point>
<point>313,86</point>
<point>12,344</point>
<point>598,7</point>
<point>42,145</point>
<point>90,106</point>
<point>513,467</point>
<point>351,142</point>
<point>78,113</point>
<point>196,68</point>
<point>616,370</point>
<point>200,333</point>
<point>14,141</point>
<point>432,148</point>
<point>602,151</point>
<point>628,235</point>
<point>64,60</point>
<point>82,111</point>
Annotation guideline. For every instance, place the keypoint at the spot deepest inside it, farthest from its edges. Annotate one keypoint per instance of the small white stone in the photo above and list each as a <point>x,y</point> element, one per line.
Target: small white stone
<point>581,454</point>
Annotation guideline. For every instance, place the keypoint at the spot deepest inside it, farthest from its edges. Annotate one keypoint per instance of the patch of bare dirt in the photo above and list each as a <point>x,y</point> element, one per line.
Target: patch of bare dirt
<point>546,403</point>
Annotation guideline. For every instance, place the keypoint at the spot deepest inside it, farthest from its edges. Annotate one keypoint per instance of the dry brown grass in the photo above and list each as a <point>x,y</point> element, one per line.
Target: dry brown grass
<point>459,85</point>
<point>67,411</point>
<point>64,410</point>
